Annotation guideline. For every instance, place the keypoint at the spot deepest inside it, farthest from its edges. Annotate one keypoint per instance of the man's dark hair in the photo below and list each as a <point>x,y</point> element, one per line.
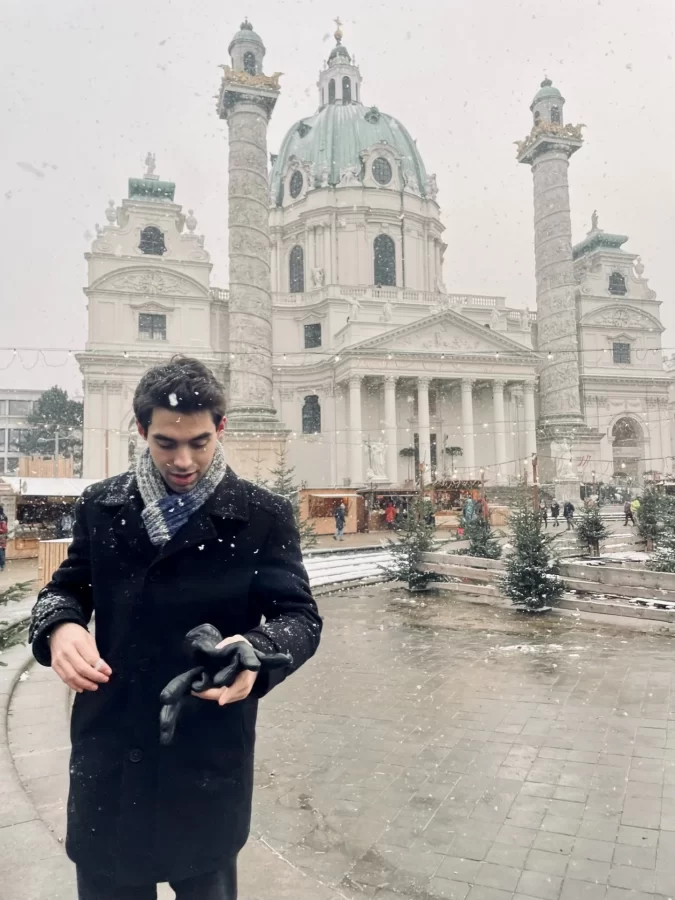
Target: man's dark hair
<point>184,385</point>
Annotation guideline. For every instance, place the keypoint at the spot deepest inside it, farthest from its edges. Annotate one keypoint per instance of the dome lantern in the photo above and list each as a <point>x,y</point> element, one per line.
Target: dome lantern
<point>247,50</point>
<point>340,80</point>
<point>547,105</point>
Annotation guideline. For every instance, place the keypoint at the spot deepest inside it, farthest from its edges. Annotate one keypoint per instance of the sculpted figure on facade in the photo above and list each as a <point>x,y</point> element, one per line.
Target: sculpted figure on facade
<point>561,451</point>
<point>318,277</point>
<point>350,176</point>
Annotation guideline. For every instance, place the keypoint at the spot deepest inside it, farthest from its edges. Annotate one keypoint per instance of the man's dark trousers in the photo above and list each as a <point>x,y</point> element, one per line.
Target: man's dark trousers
<point>221,885</point>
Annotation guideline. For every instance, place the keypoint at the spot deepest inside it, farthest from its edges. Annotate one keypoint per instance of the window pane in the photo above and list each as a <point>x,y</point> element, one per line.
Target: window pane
<point>3,438</point>
<point>385,261</point>
<point>296,270</point>
<point>311,415</point>
<point>20,408</point>
<point>621,353</point>
<point>617,284</point>
<point>3,407</point>
<point>312,336</point>
<point>12,464</point>
<point>2,465</point>
<point>152,327</point>
<point>152,241</point>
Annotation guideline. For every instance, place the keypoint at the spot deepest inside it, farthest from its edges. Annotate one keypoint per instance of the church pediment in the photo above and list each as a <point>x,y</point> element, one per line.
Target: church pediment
<point>150,283</point>
<point>446,331</point>
<point>622,317</point>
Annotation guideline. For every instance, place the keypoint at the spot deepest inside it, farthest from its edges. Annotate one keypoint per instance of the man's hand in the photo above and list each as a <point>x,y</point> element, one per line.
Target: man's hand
<point>243,684</point>
<point>75,658</point>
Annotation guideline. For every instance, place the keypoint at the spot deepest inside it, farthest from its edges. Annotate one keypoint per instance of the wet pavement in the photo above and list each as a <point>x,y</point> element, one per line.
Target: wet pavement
<point>439,749</point>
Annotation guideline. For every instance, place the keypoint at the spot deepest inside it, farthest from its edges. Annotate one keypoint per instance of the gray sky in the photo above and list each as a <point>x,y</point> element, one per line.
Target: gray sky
<point>86,89</point>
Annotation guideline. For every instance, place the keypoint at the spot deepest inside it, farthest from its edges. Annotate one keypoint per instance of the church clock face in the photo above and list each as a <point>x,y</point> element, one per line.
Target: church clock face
<point>382,170</point>
<point>296,185</point>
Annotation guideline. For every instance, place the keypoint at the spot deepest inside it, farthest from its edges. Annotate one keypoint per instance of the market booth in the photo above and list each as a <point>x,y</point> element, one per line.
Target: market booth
<point>376,502</point>
<point>35,510</point>
<point>318,507</point>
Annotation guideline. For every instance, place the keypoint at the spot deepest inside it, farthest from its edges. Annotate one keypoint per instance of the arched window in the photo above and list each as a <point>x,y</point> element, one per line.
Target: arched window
<point>331,91</point>
<point>555,115</point>
<point>311,415</point>
<point>296,183</point>
<point>250,63</point>
<point>385,261</point>
<point>296,270</point>
<point>346,89</point>
<point>617,284</point>
<point>152,241</point>
<point>537,117</point>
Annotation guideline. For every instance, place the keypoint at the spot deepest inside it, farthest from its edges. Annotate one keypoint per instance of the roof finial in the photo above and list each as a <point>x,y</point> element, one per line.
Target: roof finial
<point>338,30</point>
<point>150,164</point>
<point>594,220</point>
<point>246,25</point>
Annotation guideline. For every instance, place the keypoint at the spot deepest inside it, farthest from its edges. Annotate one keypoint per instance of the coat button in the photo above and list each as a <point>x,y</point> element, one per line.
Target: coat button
<point>144,664</point>
<point>135,755</point>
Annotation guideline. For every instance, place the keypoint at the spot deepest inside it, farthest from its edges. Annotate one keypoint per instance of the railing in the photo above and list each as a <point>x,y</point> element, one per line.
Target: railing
<point>402,295</point>
<point>220,293</point>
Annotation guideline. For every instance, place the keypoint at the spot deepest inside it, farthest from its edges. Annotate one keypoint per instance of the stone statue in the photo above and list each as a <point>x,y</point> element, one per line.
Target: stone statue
<point>354,309</point>
<point>350,175</point>
<point>111,213</point>
<point>594,220</point>
<point>561,451</point>
<point>431,187</point>
<point>639,267</point>
<point>150,164</point>
<point>377,453</point>
<point>387,311</point>
<point>318,277</point>
<point>325,174</point>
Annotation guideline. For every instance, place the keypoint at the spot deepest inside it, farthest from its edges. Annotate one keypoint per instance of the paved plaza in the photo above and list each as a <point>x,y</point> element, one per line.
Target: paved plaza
<point>434,750</point>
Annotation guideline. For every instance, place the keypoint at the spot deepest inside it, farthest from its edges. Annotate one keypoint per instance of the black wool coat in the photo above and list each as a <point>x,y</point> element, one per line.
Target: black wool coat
<point>139,812</point>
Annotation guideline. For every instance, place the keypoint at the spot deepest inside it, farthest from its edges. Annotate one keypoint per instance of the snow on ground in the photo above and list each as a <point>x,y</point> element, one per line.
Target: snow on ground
<point>335,568</point>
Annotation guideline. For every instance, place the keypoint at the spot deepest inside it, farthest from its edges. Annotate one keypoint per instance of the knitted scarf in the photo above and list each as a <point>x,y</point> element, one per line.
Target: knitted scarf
<point>166,513</point>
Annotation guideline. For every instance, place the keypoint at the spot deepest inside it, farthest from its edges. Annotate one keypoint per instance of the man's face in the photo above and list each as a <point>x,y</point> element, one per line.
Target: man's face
<point>182,446</point>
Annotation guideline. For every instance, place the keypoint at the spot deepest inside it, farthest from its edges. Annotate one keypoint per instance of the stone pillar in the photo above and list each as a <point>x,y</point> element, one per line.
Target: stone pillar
<point>664,425</point>
<point>530,423</point>
<point>423,427</point>
<point>391,427</point>
<point>469,461</point>
<point>548,152</point>
<point>499,417</point>
<point>327,254</point>
<point>246,102</point>
<point>355,439</point>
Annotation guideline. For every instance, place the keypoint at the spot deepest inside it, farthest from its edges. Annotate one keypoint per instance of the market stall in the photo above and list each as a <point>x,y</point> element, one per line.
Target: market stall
<point>318,507</point>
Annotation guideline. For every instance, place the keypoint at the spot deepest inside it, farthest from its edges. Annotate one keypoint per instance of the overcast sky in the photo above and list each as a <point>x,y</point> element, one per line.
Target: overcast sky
<point>87,88</point>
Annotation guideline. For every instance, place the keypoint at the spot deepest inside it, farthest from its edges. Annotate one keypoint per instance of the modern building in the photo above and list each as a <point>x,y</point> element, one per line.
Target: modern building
<point>15,407</point>
<point>372,357</point>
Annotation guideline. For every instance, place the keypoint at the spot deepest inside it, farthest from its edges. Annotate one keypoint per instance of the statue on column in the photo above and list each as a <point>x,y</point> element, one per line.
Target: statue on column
<point>561,451</point>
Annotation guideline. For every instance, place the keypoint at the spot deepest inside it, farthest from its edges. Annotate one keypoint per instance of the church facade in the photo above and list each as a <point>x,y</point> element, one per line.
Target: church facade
<point>376,366</point>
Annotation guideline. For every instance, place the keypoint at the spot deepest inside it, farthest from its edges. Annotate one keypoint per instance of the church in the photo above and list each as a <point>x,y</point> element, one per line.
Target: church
<point>338,338</point>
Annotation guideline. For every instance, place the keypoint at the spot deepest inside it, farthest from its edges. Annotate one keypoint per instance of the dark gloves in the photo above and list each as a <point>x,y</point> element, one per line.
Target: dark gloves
<point>214,668</point>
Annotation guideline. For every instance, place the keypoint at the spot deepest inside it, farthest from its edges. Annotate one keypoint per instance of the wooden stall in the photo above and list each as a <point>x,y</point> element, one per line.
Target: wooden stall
<point>318,506</point>
<point>50,556</point>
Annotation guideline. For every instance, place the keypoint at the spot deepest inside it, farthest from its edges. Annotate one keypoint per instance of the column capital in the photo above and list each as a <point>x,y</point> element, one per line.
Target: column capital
<point>390,380</point>
<point>467,384</point>
<point>355,379</point>
<point>529,386</point>
<point>423,382</point>
<point>498,384</point>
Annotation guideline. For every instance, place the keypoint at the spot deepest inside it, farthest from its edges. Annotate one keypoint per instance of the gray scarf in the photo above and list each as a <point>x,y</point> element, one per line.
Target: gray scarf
<point>166,513</point>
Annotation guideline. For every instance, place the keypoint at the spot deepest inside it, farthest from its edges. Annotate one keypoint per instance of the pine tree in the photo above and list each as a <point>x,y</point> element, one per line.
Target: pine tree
<point>531,579</point>
<point>482,539</point>
<point>283,485</point>
<point>648,522</point>
<point>415,537</point>
<point>55,414</point>
<point>591,529</point>
<point>663,559</point>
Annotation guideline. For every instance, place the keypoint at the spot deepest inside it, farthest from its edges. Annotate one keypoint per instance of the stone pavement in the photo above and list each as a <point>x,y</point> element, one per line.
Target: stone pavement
<point>434,750</point>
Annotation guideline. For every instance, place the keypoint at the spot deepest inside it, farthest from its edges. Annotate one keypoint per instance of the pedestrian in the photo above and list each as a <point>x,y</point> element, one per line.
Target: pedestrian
<point>3,539</point>
<point>555,512</point>
<point>543,512</point>
<point>628,513</point>
<point>635,507</point>
<point>390,515</point>
<point>340,515</point>
<point>177,543</point>
<point>568,513</point>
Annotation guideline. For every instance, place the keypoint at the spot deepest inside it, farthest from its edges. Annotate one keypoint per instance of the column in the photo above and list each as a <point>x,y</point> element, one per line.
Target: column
<point>499,416</point>
<point>664,424</point>
<point>423,427</point>
<point>530,423</point>
<point>469,461</point>
<point>390,427</point>
<point>355,441</point>
<point>327,254</point>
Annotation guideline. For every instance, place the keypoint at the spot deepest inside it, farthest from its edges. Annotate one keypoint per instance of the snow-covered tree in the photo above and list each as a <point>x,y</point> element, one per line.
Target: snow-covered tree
<point>648,518</point>
<point>284,485</point>
<point>663,559</point>
<point>415,536</point>
<point>591,529</point>
<point>482,539</point>
<point>531,579</point>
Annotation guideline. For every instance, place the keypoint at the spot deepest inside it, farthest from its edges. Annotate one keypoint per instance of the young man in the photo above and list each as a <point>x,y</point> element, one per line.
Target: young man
<point>555,512</point>
<point>568,512</point>
<point>178,543</point>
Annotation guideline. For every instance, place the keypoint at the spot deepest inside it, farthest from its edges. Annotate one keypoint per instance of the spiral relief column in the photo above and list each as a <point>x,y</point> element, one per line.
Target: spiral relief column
<point>247,99</point>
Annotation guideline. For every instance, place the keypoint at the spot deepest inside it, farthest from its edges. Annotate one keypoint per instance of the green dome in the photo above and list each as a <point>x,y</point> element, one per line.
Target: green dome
<point>336,136</point>
<point>245,33</point>
<point>341,52</point>
<point>547,92</point>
